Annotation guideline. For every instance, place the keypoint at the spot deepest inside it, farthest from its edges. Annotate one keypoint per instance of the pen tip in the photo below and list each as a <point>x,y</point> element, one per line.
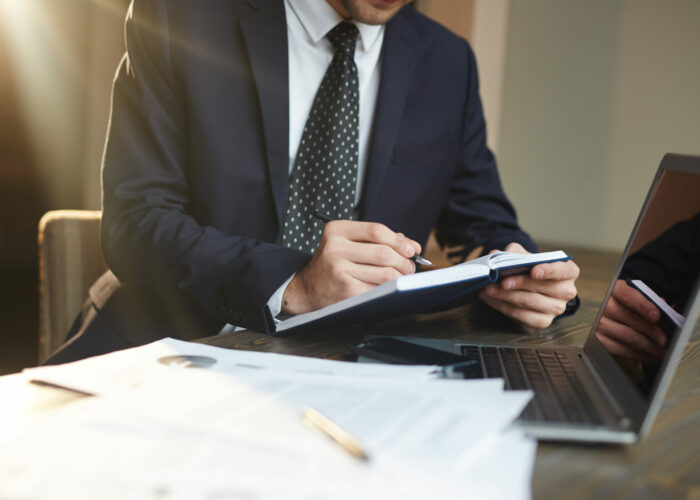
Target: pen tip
<point>422,260</point>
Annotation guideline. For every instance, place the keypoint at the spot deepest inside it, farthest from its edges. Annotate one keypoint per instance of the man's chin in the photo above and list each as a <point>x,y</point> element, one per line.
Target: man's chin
<point>373,11</point>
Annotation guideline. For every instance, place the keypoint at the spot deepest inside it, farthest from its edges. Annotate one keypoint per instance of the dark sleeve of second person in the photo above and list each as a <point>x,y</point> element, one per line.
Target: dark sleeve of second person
<point>151,237</point>
<point>477,212</point>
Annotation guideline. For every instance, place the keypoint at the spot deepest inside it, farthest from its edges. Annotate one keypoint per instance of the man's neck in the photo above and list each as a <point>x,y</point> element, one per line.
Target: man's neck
<point>340,9</point>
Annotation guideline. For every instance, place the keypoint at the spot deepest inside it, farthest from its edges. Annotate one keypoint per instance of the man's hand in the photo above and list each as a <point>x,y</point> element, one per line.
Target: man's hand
<point>628,326</point>
<point>537,298</point>
<point>351,258</point>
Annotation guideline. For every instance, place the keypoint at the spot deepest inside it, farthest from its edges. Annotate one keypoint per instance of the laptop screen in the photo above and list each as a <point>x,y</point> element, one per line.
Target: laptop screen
<point>655,286</point>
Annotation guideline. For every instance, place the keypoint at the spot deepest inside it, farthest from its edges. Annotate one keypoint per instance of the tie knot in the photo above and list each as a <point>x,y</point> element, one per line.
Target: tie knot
<point>343,38</point>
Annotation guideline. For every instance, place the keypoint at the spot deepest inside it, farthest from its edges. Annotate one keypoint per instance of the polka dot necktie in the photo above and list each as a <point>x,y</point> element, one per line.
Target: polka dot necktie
<point>324,176</point>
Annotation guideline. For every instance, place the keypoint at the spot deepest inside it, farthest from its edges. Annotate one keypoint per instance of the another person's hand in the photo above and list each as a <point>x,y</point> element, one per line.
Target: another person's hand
<point>534,299</point>
<point>628,326</point>
<point>351,258</point>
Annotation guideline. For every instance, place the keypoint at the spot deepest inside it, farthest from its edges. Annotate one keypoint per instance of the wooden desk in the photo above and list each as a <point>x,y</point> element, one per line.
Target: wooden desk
<point>665,465</point>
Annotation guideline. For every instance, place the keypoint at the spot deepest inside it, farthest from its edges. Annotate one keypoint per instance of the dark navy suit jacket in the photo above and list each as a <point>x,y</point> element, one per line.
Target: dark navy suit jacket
<point>195,174</point>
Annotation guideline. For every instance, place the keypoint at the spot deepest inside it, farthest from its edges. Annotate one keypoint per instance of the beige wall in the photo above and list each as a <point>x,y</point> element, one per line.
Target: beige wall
<point>594,94</point>
<point>657,102</point>
<point>456,15</point>
<point>489,35</point>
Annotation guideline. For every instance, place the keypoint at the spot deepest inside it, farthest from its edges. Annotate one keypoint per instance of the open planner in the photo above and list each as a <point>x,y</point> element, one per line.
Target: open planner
<point>421,292</point>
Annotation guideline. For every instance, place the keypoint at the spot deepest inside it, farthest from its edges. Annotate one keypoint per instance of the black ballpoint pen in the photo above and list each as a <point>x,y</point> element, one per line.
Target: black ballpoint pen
<point>416,258</point>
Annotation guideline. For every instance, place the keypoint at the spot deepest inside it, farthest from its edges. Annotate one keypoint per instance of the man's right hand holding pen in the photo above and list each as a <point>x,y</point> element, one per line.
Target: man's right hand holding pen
<point>351,258</point>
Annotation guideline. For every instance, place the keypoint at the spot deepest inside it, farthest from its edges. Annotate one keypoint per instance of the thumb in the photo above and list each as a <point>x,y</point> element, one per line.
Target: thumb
<point>516,248</point>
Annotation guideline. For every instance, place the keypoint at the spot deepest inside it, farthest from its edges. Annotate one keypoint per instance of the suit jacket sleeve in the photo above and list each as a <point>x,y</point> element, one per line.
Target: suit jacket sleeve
<point>477,211</point>
<point>149,236</point>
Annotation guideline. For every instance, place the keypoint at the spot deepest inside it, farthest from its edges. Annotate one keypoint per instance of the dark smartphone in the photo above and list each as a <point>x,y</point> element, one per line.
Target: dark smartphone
<point>391,350</point>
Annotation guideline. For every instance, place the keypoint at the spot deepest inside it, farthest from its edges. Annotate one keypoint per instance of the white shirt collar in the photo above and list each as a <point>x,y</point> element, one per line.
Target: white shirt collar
<point>318,18</point>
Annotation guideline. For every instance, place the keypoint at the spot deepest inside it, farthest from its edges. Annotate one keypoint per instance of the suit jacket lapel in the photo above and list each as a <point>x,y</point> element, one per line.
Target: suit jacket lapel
<point>265,35</point>
<point>399,58</point>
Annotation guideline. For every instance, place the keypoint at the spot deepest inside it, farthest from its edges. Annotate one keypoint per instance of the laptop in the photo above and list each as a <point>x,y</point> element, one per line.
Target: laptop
<point>611,389</point>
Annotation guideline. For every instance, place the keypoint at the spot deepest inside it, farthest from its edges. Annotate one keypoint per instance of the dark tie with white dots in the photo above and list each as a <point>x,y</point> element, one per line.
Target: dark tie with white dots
<point>324,176</point>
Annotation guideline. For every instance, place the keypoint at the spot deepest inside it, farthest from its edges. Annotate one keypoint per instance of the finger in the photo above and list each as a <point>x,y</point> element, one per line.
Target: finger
<point>373,232</point>
<point>619,349</point>
<point>373,275</point>
<point>634,300</point>
<point>616,311</point>
<point>566,270</point>
<point>565,290</point>
<point>357,286</point>
<point>370,254</point>
<point>628,336</point>
<point>524,316</point>
<point>416,245</point>
<point>345,288</point>
<point>527,300</point>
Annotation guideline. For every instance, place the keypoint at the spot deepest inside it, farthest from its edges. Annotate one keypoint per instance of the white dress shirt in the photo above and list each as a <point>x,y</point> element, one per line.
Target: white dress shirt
<point>310,54</point>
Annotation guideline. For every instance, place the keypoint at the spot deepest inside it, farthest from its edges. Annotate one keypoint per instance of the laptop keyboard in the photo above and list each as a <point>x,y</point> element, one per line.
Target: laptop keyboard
<point>559,393</point>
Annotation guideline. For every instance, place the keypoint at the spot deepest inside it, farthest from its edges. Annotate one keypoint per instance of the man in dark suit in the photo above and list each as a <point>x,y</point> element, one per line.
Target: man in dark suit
<point>216,113</point>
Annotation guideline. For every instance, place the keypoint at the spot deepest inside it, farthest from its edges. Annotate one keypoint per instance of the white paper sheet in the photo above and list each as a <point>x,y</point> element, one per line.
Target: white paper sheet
<point>503,467</point>
<point>165,431</point>
<point>130,367</point>
<point>429,422</point>
<point>202,433</point>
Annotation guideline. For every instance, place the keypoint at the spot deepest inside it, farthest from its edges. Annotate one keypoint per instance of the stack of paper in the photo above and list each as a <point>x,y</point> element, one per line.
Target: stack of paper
<point>180,420</point>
